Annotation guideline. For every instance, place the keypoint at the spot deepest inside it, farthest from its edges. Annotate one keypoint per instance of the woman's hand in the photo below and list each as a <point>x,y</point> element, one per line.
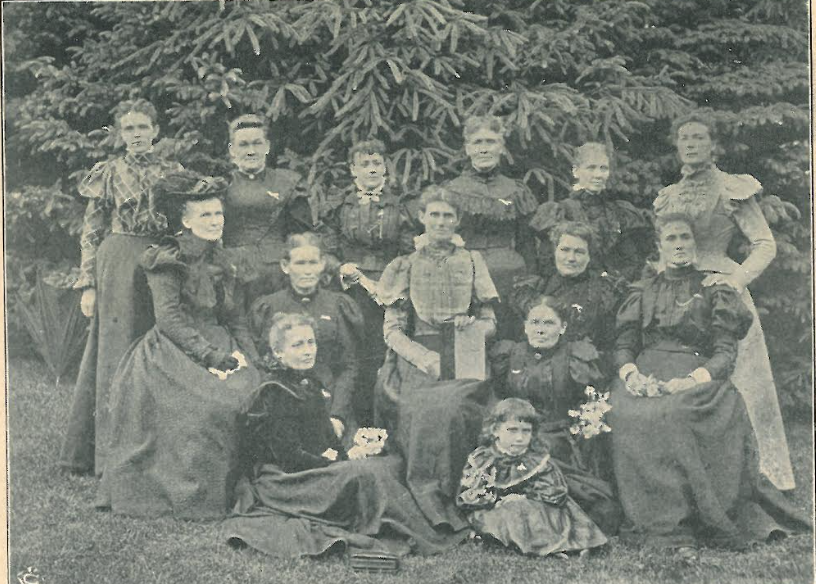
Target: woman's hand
<point>350,273</point>
<point>728,280</point>
<point>679,384</point>
<point>339,427</point>
<point>87,303</point>
<point>432,365</point>
<point>461,321</point>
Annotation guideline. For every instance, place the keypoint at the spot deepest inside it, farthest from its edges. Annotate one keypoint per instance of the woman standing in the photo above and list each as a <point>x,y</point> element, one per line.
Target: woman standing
<point>622,232</point>
<point>121,221</point>
<point>176,397</point>
<point>495,210</point>
<point>264,206</point>
<point>434,418</point>
<point>369,226</point>
<point>721,206</point>
<point>684,454</point>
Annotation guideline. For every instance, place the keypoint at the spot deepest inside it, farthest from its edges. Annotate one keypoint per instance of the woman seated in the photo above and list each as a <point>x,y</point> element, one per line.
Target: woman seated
<point>435,422</point>
<point>589,295</point>
<point>684,452</point>
<point>178,392</point>
<point>339,323</point>
<point>301,495</point>
<point>552,373</point>
<point>621,230</point>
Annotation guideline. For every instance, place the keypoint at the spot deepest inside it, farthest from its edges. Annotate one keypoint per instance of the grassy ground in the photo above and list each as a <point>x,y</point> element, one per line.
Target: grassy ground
<point>54,528</point>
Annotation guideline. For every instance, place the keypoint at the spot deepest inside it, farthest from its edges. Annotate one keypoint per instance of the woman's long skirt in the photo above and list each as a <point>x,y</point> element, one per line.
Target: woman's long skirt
<point>686,464</point>
<point>434,425</point>
<point>174,450</point>
<point>124,312</point>
<point>360,503</point>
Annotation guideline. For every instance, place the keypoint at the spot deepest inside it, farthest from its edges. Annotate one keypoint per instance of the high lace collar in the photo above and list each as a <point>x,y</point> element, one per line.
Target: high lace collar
<point>374,193</point>
<point>697,172</point>
<point>588,197</point>
<point>141,158</point>
<point>678,272</point>
<point>423,242</point>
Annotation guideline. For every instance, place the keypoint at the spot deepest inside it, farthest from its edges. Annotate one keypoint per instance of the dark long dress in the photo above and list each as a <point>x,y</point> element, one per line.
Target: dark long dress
<point>495,212</point>
<point>591,298</point>
<point>623,233</point>
<point>262,210</point>
<point>339,334</point>
<point>523,501</point>
<point>554,380</point>
<point>686,464</point>
<point>120,223</point>
<point>174,450</point>
<point>434,423</point>
<point>294,501</point>
<point>369,233</point>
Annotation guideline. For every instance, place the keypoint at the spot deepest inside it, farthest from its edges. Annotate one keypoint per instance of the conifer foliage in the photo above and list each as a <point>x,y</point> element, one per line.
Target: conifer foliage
<point>326,72</point>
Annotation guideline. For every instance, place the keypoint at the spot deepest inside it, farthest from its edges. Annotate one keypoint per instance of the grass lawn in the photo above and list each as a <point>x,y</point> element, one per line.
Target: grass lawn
<point>54,528</point>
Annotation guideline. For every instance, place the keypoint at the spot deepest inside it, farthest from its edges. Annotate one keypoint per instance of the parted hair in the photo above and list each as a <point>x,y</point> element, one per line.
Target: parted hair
<point>701,116</point>
<point>510,409</point>
<point>283,322</point>
<point>576,229</point>
<point>307,238</point>
<point>366,147</point>
<point>435,194</point>
<point>558,307</point>
<point>663,220</point>
<point>248,121</point>
<point>141,106</point>
<point>588,149</point>
<point>475,123</point>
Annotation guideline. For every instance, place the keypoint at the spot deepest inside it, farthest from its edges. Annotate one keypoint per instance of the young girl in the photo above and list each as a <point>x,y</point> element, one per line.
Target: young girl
<point>513,493</point>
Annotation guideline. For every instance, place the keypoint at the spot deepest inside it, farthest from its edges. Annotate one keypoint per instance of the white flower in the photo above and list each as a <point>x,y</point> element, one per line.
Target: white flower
<point>329,454</point>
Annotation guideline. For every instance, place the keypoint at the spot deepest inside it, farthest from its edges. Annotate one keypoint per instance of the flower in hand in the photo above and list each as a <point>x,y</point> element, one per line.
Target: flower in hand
<point>590,418</point>
<point>368,442</point>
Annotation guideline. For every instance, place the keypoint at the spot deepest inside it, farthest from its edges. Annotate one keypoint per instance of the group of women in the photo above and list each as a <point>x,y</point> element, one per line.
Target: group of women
<point>241,334</point>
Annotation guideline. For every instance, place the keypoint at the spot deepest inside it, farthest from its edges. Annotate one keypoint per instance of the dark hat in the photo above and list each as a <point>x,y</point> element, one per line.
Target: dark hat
<point>178,187</point>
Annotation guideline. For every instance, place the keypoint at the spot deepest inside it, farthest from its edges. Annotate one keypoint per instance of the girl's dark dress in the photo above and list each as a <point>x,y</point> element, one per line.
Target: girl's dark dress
<point>686,464</point>
<point>554,380</point>
<point>173,444</point>
<point>294,502</point>
<point>523,501</point>
<point>623,233</point>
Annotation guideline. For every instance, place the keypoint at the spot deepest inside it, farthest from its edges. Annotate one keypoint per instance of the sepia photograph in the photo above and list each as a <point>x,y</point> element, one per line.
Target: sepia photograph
<point>434,291</point>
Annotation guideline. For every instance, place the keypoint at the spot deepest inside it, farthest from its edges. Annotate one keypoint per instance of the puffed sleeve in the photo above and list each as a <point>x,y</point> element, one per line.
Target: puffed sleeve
<point>484,291</point>
<point>165,276</point>
<point>97,219</point>
<point>730,321</point>
<point>499,355</point>
<point>395,281</point>
<point>753,225</point>
<point>350,332</point>
<point>584,364</point>
<point>547,216</point>
<point>524,293</point>
<point>259,318</point>
<point>628,324</point>
<point>477,488</point>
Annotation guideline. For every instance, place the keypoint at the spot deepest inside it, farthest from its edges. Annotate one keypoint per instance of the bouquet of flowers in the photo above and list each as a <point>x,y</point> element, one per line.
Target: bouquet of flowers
<point>368,442</point>
<point>590,418</point>
<point>645,386</point>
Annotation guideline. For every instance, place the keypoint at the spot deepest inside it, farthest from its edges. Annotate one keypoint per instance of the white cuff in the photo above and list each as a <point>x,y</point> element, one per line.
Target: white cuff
<point>626,370</point>
<point>700,375</point>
